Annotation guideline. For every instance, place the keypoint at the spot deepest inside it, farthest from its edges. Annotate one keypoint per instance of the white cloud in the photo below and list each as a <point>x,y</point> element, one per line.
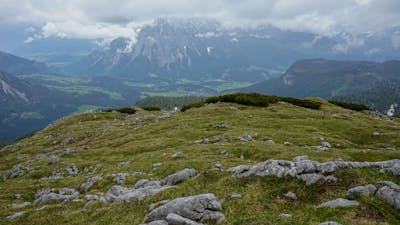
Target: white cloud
<point>104,18</point>
<point>349,42</point>
<point>71,29</point>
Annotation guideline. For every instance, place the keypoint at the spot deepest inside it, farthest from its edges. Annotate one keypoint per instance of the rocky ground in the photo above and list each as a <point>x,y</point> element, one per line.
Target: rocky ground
<point>219,164</point>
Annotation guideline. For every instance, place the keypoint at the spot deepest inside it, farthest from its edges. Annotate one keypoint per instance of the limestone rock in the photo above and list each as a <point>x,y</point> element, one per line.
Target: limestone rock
<point>19,206</point>
<point>64,195</point>
<point>89,183</point>
<point>285,215</point>
<point>198,208</point>
<point>308,170</point>
<point>53,159</point>
<point>158,222</point>
<point>356,192</point>
<point>178,177</point>
<point>390,193</point>
<point>177,155</point>
<point>146,188</point>
<point>121,178</point>
<point>291,195</point>
<point>15,171</point>
<point>247,137</point>
<point>122,164</point>
<point>339,203</point>
<point>330,223</point>
<point>72,170</point>
<point>14,216</point>
<point>175,219</point>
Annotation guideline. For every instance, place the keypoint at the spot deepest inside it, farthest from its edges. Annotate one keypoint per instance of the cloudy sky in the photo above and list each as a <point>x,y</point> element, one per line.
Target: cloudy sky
<point>92,19</point>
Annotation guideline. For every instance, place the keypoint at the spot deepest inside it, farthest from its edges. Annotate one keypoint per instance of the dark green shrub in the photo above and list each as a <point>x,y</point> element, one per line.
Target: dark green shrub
<point>255,99</point>
<point>262,100</point>
<point>192,105</point>
<point>151,108</point>
<point>302,102</point>
<point>213,99</point>
<point>125,110</point>
<point>349,105</point>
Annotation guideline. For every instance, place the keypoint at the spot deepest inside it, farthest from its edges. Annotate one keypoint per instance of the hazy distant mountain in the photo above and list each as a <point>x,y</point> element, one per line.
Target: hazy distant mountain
<point>18,65</point>
<point>329,78</point>
<point>201,49</point>
<point>28,105</point>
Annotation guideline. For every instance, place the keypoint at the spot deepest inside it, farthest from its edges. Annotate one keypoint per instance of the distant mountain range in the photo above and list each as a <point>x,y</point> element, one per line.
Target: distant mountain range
<point>346,80</point>
<point>173,49</point>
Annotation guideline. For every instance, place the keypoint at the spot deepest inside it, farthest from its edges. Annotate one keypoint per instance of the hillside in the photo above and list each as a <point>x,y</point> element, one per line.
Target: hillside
<point>93,152</point>
<point>330,78</point>
<point>31,105</point>
<point>18,65</point>
<point>378,97</point>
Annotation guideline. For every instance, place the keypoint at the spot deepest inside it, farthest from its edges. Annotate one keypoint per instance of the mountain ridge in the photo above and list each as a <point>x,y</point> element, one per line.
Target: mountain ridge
<point>330,78</point>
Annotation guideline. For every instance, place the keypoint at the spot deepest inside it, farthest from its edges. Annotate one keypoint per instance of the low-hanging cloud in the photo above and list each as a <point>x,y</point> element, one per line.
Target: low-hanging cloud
<point>92,19</point>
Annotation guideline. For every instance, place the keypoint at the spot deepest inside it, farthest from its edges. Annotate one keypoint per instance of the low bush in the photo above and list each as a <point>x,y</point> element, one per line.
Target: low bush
<point>349,105</point>
<point>151,108</point>
<point>302,102</point>
<point>125,110</point>
<point>262,100</point>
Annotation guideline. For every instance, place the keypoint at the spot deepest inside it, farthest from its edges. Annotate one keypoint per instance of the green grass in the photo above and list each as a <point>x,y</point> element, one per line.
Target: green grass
<point>107,138</point>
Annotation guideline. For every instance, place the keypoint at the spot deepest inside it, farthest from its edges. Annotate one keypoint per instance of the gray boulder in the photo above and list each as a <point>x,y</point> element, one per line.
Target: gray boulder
<point>72,170</point>
<point>175,219</point>
<point>198,208</point>
<point>356,192</point>
<point>178,177</point>
<point>330,223</point>
<point>64,195</point>
<point>285,215</point>
<point>21,205</point>
<point>15,215</point>
<point>307,170</point>
<point>15,171</point>
<point>326,144</point>
<point>311,178</point>
<point>89,183</point>
<point>270,142</point>
<point>306,166</point>
<point>247,137</point>
<point>121,178</point>
<point>120,194</point>
<point>146,188</point>
<point>53,159</point>
<point>390,193</point>
<point>239,170</point>
<point>122,164</point>
<point>327,167</point>
<point>158,222</point>
<point>177,155</point>
<point>339,203</point>
<point>290,195</point>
